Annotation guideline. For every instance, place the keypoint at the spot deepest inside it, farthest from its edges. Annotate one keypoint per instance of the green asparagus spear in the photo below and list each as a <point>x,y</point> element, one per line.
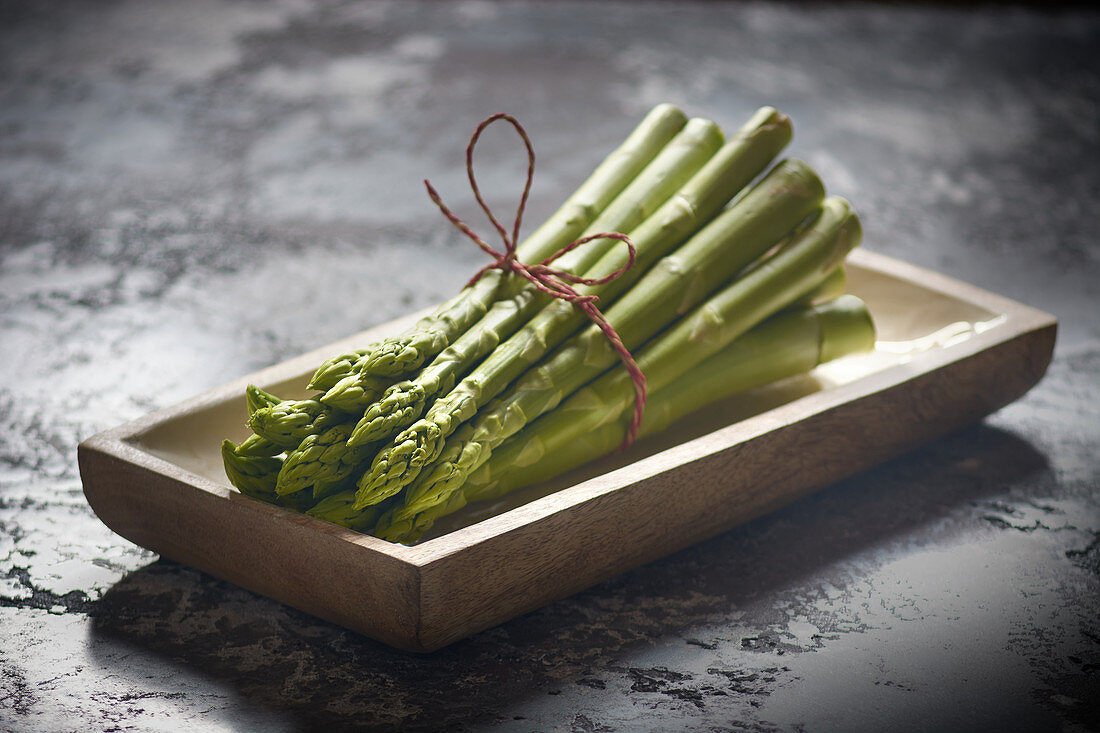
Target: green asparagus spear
<point>256,476</point>
<point>322,462</point>
<point>737,163</point>
<point>411,527</point>
<point>288,422</point>
<point>255,398</point>
<point>252,475</point>
<point>790,273</point>
<point>256,446</point>
<point>405,401</point>
<point>357,390</point>
<point>339,509</point>
<point>399,356</point>
<point>335,368</point>
<point>790,343</point>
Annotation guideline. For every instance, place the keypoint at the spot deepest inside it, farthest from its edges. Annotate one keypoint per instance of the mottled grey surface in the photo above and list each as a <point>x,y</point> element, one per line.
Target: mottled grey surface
<point>190,191</point>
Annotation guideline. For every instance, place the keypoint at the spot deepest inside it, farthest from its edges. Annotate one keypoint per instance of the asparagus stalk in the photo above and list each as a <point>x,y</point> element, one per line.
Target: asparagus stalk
<point>337,367</point>
<point>322,462</point>
<point>398,356</point>
<point>790,343</point>
<point>790,273</point>
<point>256,475</point>
<point>405,401</point>
<point>339,509</point>
<point>357,390</point>
<point>256,446</point>
<point>737,163</point>
<point>255,398</point>
<point>288,422</point>
<point>252,475</point>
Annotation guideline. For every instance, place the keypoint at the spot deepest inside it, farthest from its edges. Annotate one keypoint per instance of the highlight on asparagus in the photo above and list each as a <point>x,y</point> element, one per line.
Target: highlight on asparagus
<point>737,281</point>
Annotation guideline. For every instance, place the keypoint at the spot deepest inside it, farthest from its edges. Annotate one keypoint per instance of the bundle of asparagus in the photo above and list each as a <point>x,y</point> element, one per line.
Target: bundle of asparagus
<point>504,385</point>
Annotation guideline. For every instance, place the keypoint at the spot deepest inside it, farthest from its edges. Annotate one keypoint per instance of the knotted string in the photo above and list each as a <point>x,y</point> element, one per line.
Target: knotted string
<point>555,283</point>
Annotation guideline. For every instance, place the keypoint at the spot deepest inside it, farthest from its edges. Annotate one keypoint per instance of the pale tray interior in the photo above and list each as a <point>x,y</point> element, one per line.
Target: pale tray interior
<point>909,319</point>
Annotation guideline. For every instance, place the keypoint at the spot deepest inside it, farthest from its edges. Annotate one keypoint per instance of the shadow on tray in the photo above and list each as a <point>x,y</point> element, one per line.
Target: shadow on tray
<point>305,672</point>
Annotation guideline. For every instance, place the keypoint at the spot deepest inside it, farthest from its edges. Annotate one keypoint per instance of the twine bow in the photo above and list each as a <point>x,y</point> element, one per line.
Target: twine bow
<point>554,282</point>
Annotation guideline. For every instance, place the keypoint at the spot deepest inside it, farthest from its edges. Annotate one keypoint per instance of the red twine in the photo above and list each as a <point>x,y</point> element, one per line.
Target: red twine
<point>555,283</point>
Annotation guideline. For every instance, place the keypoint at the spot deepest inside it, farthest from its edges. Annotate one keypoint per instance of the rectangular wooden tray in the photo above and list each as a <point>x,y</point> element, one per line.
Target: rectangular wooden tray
<point>948,354</point>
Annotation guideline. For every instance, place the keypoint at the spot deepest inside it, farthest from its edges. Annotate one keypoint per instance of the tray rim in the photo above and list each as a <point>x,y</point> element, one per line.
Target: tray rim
<point>433,557</point>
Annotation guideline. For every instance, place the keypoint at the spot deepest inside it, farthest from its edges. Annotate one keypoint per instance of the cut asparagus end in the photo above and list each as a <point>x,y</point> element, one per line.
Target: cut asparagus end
<point>846,328</point>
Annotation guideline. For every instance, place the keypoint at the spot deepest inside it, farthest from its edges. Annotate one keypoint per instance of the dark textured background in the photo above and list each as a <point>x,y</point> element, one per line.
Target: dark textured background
<point>190,191</point>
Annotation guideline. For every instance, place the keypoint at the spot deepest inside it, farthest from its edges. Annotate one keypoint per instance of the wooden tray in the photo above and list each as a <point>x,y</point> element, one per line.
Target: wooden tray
<point>948,355</point>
